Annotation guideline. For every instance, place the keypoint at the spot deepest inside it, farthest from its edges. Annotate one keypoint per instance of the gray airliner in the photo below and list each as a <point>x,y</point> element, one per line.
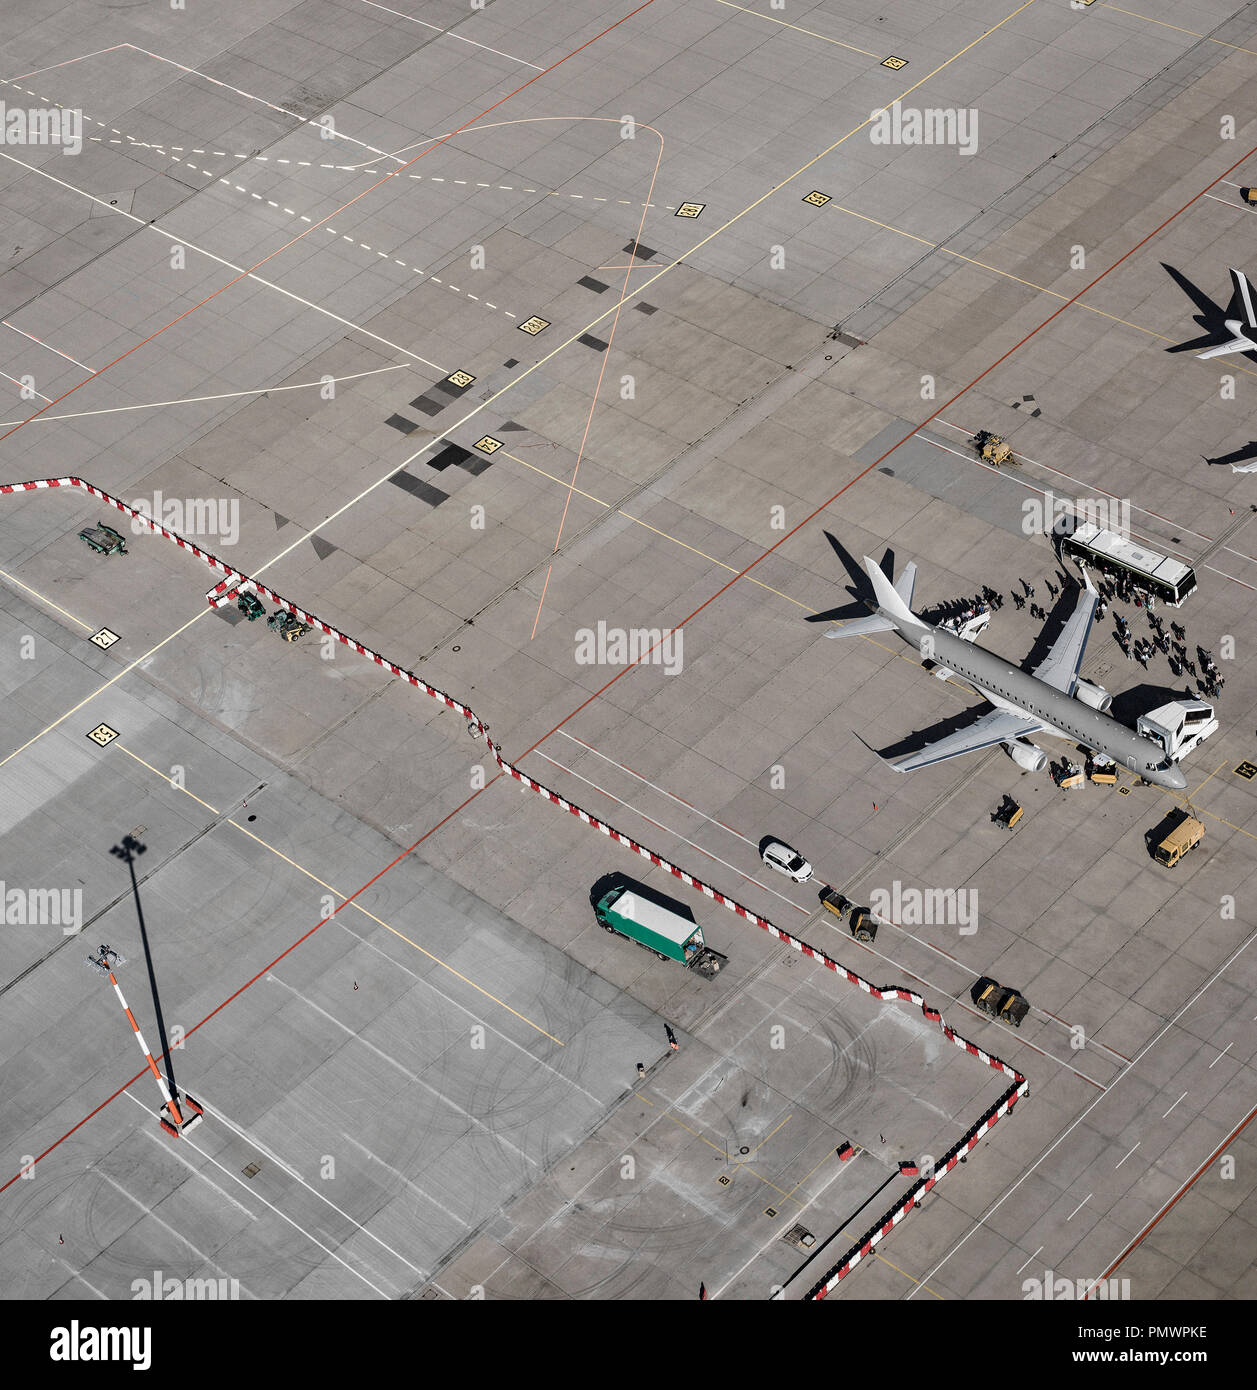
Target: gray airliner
<point>1053,699</point>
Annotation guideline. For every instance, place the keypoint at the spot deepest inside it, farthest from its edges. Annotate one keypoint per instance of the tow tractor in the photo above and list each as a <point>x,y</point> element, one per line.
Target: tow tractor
<point>104,539</point>
<point>993,449</point>
<point>995,1001</point>
<point>251,606</point>
<point>288,627</point>
<point>1068,775</point>
<point>1008,814</point>
<point>1102,770</point>
<point>859,919</point>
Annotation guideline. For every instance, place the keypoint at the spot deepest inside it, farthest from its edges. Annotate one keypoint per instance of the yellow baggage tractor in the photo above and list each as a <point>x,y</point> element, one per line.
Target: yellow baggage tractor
<point>1008,814</point>
<point>1102,770</point>
<point>992,448</point>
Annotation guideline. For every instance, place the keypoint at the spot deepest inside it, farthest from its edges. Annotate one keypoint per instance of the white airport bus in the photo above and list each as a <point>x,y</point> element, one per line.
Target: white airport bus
<point>1168,581</point>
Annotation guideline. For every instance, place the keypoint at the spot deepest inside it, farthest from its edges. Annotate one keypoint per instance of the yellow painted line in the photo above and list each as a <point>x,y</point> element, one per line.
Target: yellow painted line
<point>301,869</point>
<point>796,28</point>
<point>549,356</point>
<point>1117,9</point>
<point>789,1196</point>
<point>711,559</point>
<point>804,1178</point>
<point>46,601</point>
<point>1008,275</point>
<point>904,1272</point>
<point>1222,820</point>
<point>720,1149</point>
<point>1213,774</point>
<point>702,554</point>
<point>767,1137</point>
<point>157,772</point>
<point>100,689</point>
<point>1185,802</point>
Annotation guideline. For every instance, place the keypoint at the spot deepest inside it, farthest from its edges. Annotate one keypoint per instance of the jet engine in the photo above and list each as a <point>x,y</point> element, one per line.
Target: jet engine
<point>1027,755</point>
<point>1093,695</point>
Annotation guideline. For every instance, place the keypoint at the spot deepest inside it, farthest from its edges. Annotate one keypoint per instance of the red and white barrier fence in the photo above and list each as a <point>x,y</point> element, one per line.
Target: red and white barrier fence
<point>236,581</point>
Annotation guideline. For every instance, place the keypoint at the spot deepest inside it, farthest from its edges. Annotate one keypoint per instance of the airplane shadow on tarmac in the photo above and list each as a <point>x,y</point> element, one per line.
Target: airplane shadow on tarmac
<point>1211,317</point>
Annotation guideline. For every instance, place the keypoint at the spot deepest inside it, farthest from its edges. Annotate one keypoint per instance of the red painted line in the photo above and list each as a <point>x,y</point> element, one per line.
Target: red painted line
<point>1019,1088</point>
<point>314,226</point>
<point>911,433</point>
<point>236,994</point>
<point>1182,1192</point>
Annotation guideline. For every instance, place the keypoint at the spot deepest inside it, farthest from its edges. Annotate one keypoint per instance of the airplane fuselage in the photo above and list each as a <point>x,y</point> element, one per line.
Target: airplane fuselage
<point>1009,687</point>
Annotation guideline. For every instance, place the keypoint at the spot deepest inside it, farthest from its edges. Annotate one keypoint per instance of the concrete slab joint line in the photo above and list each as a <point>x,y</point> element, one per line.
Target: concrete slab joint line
<point>228,588</point>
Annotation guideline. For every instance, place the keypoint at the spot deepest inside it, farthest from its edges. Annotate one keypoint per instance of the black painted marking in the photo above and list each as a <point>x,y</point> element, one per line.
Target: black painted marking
<point>476,464</point>
<point>511,425</point>
<point>399,422</point>
<point>428,405</point>
<point>450,454</point>
<point>848,340</point>
<point>322,548</point>
<point>451,389</point>
<point>425,492</point>
<point>511,362</point>
<point>643,253</point>
<point>589,283</point>
<point>280,521</point>
<point>646,308</point>
<point>590,341</point>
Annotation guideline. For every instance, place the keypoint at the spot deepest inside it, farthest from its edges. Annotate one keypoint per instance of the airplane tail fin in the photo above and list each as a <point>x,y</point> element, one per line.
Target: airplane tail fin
<point>894,601</point>
<point>1244,293</point>
<point>889,599</point>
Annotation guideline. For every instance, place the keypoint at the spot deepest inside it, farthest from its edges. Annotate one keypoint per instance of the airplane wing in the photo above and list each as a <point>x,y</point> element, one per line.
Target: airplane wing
<point>1060,667</point>
<point>999,726</point>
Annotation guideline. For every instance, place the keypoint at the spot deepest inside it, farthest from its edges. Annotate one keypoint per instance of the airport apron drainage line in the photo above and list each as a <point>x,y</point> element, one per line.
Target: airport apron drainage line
<point>236,583</point>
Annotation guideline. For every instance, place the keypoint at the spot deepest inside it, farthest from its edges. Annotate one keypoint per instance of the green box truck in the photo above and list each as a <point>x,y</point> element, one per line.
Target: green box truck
<point>669,933</point>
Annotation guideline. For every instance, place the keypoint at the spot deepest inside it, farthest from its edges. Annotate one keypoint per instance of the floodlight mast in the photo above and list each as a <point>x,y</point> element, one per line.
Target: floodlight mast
<point>103,961</point>
<point>178,1122</point>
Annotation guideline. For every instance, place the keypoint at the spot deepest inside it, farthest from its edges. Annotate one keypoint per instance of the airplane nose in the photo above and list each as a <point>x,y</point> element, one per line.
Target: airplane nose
<point>1175,780</point>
